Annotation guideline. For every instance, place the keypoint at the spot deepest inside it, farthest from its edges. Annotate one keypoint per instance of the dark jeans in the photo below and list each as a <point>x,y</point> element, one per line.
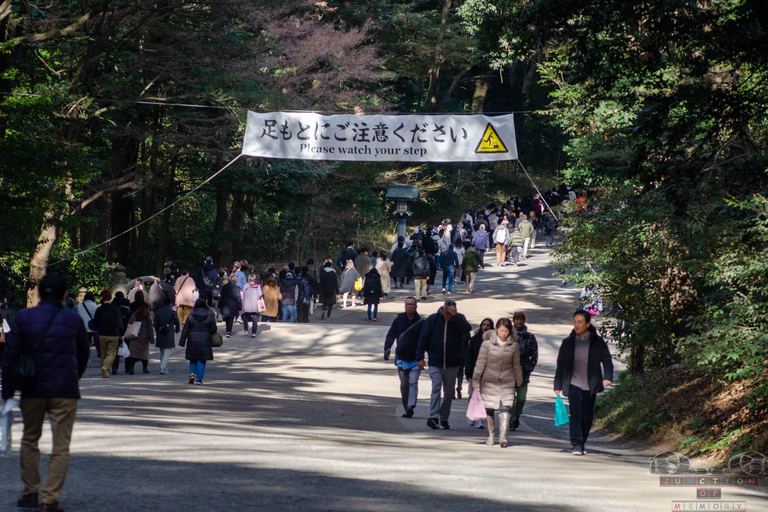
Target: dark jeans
<point>582,409</point>
<point>522,391</point>
<point>248,317</point>
<point>208,296</point>
<point>229,320</point>
<point>328,308</point>
<point>302,313</point>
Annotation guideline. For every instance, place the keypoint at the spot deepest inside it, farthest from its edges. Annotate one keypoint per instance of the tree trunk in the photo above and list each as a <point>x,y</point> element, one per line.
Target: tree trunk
<point>222,198</point>
<point>481,91</point>
<point>170,195</point>
<point>529,74</point>
<point>234,228</point>
<point>39,262</point>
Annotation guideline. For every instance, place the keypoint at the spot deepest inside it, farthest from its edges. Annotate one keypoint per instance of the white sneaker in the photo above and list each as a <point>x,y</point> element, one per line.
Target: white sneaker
<point>253,335</point>
<point>443,290</point>
<point>448,293</point>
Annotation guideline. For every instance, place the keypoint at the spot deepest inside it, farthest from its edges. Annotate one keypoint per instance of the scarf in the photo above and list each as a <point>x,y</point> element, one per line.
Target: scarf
<point>522,337</point>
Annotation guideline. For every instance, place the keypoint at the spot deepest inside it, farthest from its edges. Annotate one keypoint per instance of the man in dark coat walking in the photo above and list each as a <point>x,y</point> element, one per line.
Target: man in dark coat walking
<point>56,341</point>
<point>442,338</point>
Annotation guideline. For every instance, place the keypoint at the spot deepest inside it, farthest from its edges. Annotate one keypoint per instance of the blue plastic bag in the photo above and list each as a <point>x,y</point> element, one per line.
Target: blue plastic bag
<point>561,412</point>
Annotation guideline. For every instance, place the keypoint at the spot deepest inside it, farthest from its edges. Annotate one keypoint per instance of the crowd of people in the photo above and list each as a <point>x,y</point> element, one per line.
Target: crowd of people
<point>497,359</point>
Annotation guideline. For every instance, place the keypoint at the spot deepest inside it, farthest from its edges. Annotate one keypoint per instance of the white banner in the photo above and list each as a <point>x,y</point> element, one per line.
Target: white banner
<point>408,138</point>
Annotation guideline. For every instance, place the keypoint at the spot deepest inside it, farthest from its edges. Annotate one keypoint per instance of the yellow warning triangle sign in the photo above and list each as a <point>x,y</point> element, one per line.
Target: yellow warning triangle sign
<point>491,142</point>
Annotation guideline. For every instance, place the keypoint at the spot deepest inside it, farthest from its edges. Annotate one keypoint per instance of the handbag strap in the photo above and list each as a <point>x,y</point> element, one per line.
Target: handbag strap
<point>47,328</point>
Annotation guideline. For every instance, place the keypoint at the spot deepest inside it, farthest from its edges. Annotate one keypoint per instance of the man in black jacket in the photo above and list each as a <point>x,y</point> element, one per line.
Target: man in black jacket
<point>108,320</point>
<point>406,330</point>
<point>57,342</point>
<point>441,337</point>
<point>579,377</point>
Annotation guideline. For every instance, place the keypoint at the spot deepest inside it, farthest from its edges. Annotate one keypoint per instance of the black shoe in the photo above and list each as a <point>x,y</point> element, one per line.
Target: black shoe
<point>444,425</point>
<point>458,393</point>
<point>130,372</point>
<point>114,372</point>
<point>55,507</point>
<point>146,370</point>
<point>31,500</point>
<point>433,424</point>
<point>408,413</point>
<point>514,424</point>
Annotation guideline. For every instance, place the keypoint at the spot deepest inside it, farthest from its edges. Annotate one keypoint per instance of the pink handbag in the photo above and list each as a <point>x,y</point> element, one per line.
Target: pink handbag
<point>476,409</point>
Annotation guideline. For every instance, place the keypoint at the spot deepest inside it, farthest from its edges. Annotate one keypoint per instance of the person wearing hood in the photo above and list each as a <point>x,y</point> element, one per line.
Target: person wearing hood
<point>348,280</point>
<point>166,323</point>
<point>251,297</point>
<point>496,374</point>
<point>329,289</point>
<point>529,357</point>
<point>405,330</point>
<point>196,336</point>
<point>363,263</point>
<point>481,241</point>
<point>205,279</point>
<point>578,375</point>
<point>289,289</point>
<point>372,293</point>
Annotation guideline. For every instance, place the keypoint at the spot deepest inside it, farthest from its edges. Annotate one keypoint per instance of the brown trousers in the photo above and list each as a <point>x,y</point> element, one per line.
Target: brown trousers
<point>183,312</point>
<point>108,352</point>
<point>61,413</point>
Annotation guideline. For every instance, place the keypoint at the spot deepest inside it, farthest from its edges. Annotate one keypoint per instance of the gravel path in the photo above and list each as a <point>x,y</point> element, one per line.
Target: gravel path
<point>307,417</point>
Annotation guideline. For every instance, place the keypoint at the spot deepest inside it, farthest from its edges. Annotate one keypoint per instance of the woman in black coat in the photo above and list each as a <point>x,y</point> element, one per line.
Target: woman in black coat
<point>230,304</point>
<point>198,330</point>
<point>329,289</point>
<point>475,342</point>
<point>372,293</point>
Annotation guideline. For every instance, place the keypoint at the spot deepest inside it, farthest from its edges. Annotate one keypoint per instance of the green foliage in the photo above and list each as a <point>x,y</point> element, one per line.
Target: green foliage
<point>730,332</point>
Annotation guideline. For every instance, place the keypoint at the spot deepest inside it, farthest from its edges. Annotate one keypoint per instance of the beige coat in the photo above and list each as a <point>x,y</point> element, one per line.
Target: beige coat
<point>499,365</point>
<point>271,296</point>
<point>185,291</point>
<point>384,268</point>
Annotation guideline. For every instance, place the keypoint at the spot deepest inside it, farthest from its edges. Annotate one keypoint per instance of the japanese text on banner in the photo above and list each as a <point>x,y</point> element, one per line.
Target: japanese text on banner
<point>414,138</point>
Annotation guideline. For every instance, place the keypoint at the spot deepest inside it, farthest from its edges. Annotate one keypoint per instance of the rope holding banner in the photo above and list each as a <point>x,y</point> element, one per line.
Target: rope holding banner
<point>108,240</point>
